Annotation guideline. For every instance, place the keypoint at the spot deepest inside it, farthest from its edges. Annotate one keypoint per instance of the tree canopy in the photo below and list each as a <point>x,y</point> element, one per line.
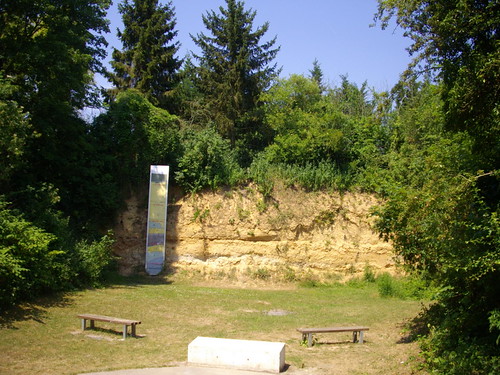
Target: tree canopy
<point>459,42</point>
<point>235,67</point>
<point>442,211</point>
<point>147,61</point>
<point>429,148</point>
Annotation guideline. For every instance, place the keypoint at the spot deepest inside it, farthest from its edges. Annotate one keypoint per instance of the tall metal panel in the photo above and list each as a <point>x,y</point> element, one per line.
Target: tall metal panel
<point>157,219</point>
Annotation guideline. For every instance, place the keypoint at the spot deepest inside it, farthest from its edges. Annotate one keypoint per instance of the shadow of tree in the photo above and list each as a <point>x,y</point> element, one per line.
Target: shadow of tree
<point>415,328</point>
<point>35,310</point>
<point>119,281</point>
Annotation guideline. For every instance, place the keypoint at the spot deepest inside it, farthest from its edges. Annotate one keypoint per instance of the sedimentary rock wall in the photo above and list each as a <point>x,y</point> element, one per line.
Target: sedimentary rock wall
<point>239,232</point>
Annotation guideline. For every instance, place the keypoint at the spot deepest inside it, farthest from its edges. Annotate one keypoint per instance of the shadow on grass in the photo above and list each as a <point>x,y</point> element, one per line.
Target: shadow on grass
<point>339,342</point>
<point>35,310</point>
<point>137,280</point>
<point>415,328</point>
<point>111,331</point>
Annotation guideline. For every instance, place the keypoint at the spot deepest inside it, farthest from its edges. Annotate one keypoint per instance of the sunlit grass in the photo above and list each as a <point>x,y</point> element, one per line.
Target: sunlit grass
<point>45,337</point>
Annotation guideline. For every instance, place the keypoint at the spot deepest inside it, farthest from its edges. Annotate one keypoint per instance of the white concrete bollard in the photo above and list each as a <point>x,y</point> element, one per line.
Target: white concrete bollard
<point>237,354</point>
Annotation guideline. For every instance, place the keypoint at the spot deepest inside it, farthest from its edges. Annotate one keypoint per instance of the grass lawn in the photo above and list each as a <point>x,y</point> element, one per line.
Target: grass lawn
<point>46,338</point>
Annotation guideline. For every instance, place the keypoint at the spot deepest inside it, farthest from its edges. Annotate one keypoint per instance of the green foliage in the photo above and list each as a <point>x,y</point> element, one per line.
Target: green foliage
<point>25,258</point>
<point>324,175</point>
<point>50,50</point>
<point>15,131</point>
<point>452,352</point>
<point>207,161</point>
<point>408,287</point>
<point>494,320</point>
<point>135,134</point>
<point>368,274</point>
<point>308,127</point>
<point>262,274</point>
<point>457,41</point>
<point>260,172</point>
<point>94,258</point>
<point>444,223</point>
<point>316,74</point>
<point>351,99</point>
<point>34,261</point>
<point>235,68</point>
<point>147,62</point>
<point>387,286</point>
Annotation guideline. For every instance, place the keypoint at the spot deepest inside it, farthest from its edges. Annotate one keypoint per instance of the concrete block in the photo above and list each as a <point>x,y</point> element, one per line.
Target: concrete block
<point>237,354</point>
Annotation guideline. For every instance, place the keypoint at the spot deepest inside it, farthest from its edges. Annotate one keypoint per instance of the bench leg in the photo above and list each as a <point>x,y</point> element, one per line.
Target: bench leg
<point>360,337</point>
<point>133,330</point>
<point>84,324</point>
<point>125,331</point>
<point>309,340</point>
<point>354,336</point>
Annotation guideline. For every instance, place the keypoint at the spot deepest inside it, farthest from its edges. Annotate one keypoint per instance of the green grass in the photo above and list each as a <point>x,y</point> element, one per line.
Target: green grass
<point>45,337</point>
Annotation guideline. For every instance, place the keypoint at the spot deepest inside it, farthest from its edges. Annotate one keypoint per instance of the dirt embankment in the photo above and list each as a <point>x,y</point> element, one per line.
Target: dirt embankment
<point>238,233</point>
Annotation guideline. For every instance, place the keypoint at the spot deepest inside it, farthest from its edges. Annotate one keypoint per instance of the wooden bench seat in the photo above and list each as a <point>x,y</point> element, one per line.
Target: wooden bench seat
<point>308,332</point>
<point>109,319</point>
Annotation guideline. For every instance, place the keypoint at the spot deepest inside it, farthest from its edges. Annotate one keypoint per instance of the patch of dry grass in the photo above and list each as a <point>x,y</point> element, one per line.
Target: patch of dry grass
<point>45,337</point>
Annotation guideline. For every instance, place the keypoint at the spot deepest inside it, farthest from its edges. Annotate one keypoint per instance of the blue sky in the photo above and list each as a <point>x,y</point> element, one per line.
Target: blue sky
<point>335,32</point>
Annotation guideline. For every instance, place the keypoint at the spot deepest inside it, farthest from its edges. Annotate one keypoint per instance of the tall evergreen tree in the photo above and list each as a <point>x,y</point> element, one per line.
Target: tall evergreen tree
<point>316,74</point>
<point>147,61</point>
<point>235,68</point>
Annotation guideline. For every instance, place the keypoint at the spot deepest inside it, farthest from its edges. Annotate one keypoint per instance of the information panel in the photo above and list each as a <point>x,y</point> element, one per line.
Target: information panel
<point>157,219</point>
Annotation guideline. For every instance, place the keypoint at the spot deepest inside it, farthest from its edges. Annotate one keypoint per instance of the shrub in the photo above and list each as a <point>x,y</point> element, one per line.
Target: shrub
<point>262,274</point>
<point>207,161</point>
<point>95,259</point>
<point>368,274</point>
<point>387,286</point>
<point>25,258</point>
<point>260,172</point>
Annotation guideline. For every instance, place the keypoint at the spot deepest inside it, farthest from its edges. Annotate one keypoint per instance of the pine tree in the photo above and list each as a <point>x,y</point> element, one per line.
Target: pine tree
<point>317,75</point>
<point>147,61</point>
<point>234,68</point>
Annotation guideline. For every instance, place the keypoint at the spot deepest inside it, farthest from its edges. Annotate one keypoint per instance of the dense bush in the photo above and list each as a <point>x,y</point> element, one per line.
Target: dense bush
<point>207,161</point>
<point>309,127</point>
<point>133,134</point>
<point>94,259</point>
<point>441,214</point>
<point>33,261</point>
<point>313,177</point>
<point>25,258</point>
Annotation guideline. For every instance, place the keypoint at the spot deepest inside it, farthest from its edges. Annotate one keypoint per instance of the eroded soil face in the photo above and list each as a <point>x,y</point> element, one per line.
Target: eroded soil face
<point>239,234</point>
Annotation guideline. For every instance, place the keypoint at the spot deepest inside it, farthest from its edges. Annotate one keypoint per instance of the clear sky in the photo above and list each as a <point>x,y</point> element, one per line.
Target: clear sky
<point>335,32</point>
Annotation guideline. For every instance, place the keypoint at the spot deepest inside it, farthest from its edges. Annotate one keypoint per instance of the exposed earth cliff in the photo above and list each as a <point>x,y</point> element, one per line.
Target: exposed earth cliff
<point>238,233</point>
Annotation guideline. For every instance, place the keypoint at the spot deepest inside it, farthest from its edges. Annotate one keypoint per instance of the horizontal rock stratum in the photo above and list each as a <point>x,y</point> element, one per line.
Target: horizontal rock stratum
<point>239,232</point>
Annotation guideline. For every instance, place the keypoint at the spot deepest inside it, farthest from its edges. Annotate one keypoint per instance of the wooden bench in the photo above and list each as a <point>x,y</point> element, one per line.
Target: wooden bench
<point>109,319</point>
<point>308,332</point>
